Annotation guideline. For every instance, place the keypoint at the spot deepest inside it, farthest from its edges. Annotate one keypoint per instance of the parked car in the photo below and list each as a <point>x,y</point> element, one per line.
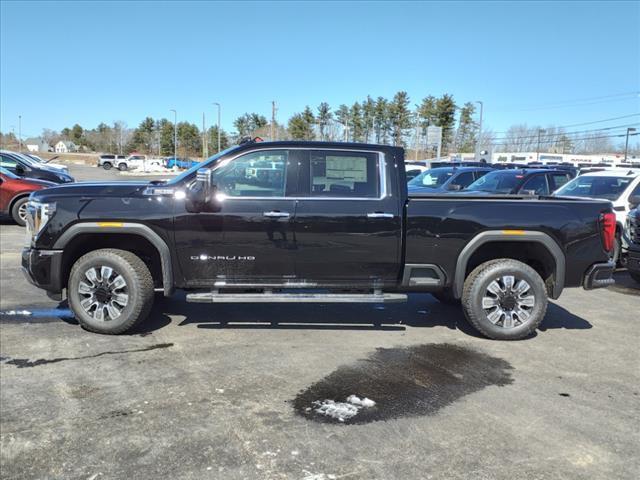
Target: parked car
<point>14,194</point>
<point>615,185</point>
<point>525,181</point>
<point>338,217</point>
<point>413,169</point>
<point>23,166</point>
<point>108,161</point>
<point>632,229</point>
<point>445,179</point>
<point>48,163</point>
<point>179,162</point>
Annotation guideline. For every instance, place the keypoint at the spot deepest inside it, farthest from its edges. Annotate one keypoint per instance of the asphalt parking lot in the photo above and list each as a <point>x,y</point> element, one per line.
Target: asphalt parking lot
<point>230,391</point>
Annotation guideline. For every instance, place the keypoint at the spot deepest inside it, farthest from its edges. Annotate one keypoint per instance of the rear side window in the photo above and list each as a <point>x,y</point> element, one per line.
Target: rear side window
<point>464,179</point>
<point>557,180</point>
<point>107,157</point>
<point>344,174</point>
<point>536,184</point>
<point>7,162</point>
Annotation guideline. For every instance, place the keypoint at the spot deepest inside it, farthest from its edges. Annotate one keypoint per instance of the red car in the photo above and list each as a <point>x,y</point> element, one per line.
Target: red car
<point>14,194</point>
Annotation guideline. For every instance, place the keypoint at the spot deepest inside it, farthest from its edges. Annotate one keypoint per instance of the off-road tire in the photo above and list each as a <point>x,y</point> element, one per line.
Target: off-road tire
<point>15,210</point>
<point>475,288</point>
<point>139,284</point>
<point>446,296</point>
<point>122,167</point>
<point>107,165</point>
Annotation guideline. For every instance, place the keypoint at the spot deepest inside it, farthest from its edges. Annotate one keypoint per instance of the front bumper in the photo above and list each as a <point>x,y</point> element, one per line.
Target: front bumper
<point>43,268</point>
<point>633,258</point>
<point>599,275</point>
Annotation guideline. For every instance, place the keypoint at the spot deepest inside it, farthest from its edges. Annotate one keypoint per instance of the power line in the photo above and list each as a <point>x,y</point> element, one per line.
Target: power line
<point>559,134</point>
<point>618,135</point>
<point>577,102</point>
<point>604,120</point>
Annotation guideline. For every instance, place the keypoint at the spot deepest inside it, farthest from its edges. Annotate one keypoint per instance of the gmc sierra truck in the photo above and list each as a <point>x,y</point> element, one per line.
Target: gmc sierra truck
<point>311,222</point>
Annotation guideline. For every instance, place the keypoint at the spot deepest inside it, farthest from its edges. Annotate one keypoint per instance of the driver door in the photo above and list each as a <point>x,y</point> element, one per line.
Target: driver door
<point>247,237</point>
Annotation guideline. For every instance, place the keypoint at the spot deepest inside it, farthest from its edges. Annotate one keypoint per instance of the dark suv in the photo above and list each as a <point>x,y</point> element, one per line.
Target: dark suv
<point>533,181</point>
<point>25,167</point>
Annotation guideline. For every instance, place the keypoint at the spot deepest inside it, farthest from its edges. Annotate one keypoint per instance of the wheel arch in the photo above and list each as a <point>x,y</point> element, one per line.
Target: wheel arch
<point>124,230</point>
<point>17,197</point>
<point>499,238</point>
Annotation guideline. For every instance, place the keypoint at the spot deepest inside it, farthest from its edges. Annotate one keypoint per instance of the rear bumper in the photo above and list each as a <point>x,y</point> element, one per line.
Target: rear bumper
<point>599,275</point>
<point>43,268</point>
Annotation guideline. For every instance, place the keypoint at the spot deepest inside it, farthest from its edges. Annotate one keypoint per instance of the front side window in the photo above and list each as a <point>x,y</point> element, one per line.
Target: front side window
<point>558,180</point>
<point>344,174</point>
<point>537,185</point>
<point>433,178</point>
<point>8,162</point>
<point>256,174</point>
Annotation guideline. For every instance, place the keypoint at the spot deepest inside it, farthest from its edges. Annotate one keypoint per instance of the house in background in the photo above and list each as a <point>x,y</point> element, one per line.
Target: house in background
<point>36,144</point>
<point>65,146</point>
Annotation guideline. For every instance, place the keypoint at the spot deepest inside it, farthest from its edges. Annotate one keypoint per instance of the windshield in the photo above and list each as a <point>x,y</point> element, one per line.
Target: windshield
<point>208,163</point>
<point>434,178</point>
<point>28,160</point>
<point>497,182</point>
<point>609,188</point>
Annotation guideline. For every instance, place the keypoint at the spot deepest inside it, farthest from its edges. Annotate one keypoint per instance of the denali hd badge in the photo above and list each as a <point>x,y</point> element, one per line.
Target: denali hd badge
<point>230,258</point>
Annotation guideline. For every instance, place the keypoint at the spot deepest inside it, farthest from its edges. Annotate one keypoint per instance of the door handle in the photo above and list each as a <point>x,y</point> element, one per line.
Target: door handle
<point>274,214</point>
<point>380,215</point>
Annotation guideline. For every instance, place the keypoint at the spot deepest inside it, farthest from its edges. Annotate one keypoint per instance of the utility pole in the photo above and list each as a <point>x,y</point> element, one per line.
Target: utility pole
<point>20,132</point>
<point>626,143</point>
<point>175,136</point>
<point>205,149</point>
<point>540,131</point>
<point>417,142</point>
<point>477,155</point>
<point>218,105</point>
<point>273,120</point>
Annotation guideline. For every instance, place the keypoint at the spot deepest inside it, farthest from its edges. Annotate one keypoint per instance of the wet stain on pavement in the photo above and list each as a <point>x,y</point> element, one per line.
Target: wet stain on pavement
<point>403,382</point>
<point>26,363</point>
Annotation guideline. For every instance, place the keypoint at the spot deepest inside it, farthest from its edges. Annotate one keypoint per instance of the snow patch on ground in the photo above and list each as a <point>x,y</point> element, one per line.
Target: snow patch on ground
<point>16,312</point>
<point>317,476</point>
<point>342,411</point>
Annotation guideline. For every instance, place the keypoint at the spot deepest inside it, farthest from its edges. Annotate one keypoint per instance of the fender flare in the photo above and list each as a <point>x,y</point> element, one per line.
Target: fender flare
<point>125,228</point>
<point>501,236</point>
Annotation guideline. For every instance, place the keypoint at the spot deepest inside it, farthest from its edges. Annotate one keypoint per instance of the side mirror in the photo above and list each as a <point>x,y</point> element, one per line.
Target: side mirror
<point>20,170</point>
<point>200,196</point>
<point>634,201</point>
<point>454,187</point>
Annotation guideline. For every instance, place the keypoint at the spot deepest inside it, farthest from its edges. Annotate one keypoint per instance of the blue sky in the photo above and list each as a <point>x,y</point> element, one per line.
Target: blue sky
<point>536,63</point>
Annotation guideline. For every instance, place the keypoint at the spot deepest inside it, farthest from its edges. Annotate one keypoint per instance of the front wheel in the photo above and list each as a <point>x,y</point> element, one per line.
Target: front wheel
<point>110,290</point>
<point>122,167</point>
<point>19,211</point>
<point>504,299</point>
<point>107,165</point>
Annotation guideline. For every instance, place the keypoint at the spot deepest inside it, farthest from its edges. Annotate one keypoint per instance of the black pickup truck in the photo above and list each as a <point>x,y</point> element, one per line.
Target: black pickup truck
<point>311,222</point>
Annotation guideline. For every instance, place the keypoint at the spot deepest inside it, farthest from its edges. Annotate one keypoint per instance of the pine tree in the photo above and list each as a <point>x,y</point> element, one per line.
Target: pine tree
<point>467,129</point>
<point>427,112</point>
<point>400,117</point>
<point>324,117</point>
<point>343,116</point>
<point>381,120</point>
<point>357,125</point>
<point>301,125</point>
<point>368,114</point>
<point>445,116</point>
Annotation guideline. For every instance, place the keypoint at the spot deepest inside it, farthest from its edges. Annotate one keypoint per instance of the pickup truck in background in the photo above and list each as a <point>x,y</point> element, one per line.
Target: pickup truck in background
<point>130,162</point>
<point>311,222</point>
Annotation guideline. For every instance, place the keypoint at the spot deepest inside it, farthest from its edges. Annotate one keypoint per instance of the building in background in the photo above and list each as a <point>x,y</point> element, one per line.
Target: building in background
<point>65,146</point>
<point>37,144</point>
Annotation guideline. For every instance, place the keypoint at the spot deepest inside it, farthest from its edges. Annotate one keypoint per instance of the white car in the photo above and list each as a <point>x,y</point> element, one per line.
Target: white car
<point>616,185</point>
<point>30,157</point>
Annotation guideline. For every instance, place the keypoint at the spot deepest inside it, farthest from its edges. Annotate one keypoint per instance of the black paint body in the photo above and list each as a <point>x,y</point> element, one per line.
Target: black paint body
<point>323,242</point>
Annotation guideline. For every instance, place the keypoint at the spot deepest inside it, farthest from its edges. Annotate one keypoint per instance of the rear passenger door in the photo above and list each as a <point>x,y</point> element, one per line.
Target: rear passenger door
<point>347,224</point>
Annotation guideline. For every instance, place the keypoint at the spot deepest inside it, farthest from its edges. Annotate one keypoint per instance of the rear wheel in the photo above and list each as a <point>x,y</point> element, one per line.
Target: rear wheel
<point>504,299</point>
<point>107,165</point>
<point>19,211</point>
<point>110,291</point>
<point>122,167</point>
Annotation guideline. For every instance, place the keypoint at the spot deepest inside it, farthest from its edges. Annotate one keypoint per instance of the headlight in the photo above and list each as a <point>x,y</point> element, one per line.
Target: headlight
<point>38,215</point>
<point>63,178</point>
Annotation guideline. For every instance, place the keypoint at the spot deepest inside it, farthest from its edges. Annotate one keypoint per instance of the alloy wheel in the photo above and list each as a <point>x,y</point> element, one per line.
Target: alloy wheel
<point>104,294</point>
<point>508,301</point>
